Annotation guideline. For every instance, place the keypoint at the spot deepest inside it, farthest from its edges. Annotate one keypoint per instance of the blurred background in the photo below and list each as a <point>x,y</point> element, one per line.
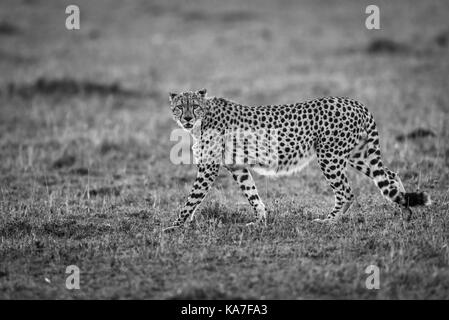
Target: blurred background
<point>85,123</point>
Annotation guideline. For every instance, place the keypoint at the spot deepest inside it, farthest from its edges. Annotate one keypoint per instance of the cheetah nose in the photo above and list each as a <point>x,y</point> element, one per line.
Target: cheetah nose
<point>188,118</point>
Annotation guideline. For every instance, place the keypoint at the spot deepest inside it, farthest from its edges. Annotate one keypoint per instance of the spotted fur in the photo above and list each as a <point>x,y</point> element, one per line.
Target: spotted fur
<point>281,139</point>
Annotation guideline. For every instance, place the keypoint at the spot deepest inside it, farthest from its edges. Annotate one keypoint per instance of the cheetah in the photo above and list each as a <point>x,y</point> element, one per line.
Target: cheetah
<point>281,139</point>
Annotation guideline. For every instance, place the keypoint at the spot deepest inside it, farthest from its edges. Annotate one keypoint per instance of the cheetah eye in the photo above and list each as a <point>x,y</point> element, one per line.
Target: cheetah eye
<point>177,110</point>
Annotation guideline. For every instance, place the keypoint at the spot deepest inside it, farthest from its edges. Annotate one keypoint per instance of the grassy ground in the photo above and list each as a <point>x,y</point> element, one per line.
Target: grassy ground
<point>85,141</point>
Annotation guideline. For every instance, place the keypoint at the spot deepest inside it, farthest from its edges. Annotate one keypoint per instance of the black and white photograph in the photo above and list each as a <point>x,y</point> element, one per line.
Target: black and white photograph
<point>240,150</point>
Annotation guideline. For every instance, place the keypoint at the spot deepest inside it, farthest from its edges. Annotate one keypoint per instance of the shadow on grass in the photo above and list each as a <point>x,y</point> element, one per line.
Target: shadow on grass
<point>216,211</point>
<point>416,134</point>
<point>202,293</point>
<point>15,227</point>
<point>221,17</point>
<point>106,191</point>
<point>442,39</point>
<point>21,227</point>
<point>8,29</point>
<point>387,46</point>
<point>15,58</point>
<point>73,230</point>
<point>72,87</point>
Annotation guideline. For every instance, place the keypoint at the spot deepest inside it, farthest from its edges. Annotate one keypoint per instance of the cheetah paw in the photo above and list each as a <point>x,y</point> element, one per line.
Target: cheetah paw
<point>325,220</point>
<point>257,223</point>
<point>170,229</point>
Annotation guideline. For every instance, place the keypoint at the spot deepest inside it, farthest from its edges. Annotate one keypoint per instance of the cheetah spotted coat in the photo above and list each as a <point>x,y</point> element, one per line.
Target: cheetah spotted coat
<point>281,139</point>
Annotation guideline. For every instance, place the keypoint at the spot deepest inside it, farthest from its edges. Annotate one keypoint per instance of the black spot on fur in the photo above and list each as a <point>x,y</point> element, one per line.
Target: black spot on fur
<point>382,184</point>
<point>377,173</point>
<point>392,193</point>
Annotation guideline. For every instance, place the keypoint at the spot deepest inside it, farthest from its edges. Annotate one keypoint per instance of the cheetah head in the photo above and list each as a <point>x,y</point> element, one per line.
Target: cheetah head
<point>188,107</point>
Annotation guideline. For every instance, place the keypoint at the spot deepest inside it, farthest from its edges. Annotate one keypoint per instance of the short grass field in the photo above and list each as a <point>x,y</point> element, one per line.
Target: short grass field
<point>85,171</point>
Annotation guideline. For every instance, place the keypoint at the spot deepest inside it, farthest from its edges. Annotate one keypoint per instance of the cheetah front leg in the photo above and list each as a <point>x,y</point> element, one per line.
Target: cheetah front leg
<point>204,180</point>
<point>246,183</point>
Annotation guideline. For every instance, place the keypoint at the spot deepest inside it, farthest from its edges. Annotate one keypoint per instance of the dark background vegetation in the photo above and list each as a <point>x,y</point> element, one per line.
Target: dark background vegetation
<point>85,141</point>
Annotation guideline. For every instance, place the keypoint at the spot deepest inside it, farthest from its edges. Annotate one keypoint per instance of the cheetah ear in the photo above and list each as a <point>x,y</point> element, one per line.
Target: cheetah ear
<point>172,95</point>
<point>202,92</point>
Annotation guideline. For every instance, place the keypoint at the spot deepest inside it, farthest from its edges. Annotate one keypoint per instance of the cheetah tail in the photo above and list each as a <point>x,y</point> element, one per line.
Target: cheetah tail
<point>413,199</point>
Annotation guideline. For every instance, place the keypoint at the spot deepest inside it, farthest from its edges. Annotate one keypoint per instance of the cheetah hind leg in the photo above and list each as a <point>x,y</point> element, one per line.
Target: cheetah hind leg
<point>405,211</point>
<point>336,176</point>
<point>367,159</point>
